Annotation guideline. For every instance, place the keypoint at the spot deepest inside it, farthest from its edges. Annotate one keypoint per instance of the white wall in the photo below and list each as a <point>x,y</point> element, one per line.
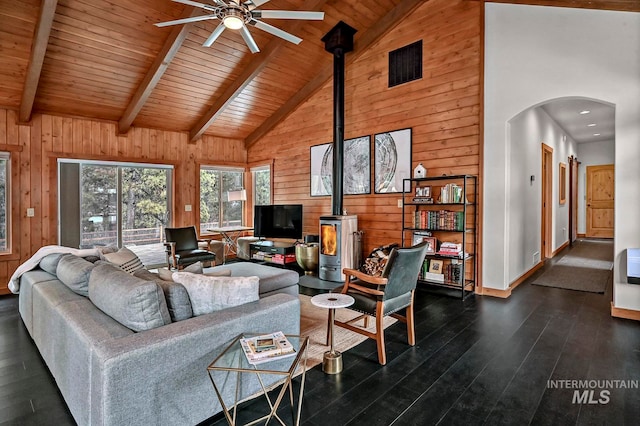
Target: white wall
<point>527,131</point>
<point>534,54</point>
<point>590,154</point>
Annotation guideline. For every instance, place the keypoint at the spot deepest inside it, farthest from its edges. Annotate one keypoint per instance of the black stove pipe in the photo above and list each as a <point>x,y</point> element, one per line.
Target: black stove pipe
<point>338,41</point>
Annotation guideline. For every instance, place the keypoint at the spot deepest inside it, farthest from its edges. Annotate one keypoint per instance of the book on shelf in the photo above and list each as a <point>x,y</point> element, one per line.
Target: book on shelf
<point>423,200</point>
<point>267,347</point>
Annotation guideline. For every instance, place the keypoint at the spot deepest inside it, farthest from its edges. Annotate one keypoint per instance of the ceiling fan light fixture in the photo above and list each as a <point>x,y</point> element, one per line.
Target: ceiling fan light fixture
<point>233,20</point>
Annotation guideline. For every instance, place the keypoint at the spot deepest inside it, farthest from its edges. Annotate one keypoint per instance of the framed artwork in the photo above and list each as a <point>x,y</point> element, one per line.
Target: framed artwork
<point>423,191</point>
<point>432,245</point>
<point>356,177</point>
<point>562,181</point>
<point>321,166</point>
<point>392,160</point>
<point>435,266</point>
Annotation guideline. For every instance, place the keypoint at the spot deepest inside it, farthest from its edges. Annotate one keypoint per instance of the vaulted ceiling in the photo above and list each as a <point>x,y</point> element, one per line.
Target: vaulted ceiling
<point>107,60</point>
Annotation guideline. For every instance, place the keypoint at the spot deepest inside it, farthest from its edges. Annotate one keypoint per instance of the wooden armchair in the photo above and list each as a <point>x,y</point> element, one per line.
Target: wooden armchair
<point>380,296</point>
<point>181,246</point>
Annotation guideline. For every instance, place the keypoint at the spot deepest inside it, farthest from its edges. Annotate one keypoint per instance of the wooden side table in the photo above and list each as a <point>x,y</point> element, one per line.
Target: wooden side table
<point>332,360</point>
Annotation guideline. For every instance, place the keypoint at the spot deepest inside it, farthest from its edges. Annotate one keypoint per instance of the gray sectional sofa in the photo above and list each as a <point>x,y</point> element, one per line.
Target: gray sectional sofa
<point>109,374</point>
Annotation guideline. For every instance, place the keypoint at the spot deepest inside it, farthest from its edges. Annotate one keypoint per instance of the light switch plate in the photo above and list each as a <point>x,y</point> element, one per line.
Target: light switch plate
<point>31,212</point>
<point>187,207</point>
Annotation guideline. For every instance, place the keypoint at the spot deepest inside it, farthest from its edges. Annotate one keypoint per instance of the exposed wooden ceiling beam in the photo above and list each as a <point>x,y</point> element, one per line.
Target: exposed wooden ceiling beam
<point>38,50</point>
<point>260,61</point>
<point>169,50</point>
<point>377,30</point>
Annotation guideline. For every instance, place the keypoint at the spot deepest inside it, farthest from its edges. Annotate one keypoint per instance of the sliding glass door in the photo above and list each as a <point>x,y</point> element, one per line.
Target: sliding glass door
<point>116,204</point>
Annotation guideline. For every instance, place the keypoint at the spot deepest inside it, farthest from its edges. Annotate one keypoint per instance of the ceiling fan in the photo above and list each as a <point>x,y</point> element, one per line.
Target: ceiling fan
<point>235,15</point>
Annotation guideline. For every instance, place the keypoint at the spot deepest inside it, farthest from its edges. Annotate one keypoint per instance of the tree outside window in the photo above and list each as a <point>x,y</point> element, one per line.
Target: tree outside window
<point>215,208</point>
<point>261,185</point>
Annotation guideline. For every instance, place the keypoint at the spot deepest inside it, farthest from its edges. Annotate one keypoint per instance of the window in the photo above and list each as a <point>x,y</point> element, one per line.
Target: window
<point>216,207</point>
<point>261,185</point>
<point>116,204</point>
<point>5,162</point>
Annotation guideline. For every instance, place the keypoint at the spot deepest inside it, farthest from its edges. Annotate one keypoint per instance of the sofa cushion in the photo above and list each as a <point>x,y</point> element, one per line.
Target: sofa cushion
<point>125,259</point>
<point>271,278</point>
<point>74,272</point>
<point>175,295</point>
<point>49,263</point>
<point>135,303</point>
<point>210,294</point>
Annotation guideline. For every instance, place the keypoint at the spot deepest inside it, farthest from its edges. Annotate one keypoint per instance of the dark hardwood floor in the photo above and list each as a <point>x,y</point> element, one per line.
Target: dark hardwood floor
<point>481,361</point>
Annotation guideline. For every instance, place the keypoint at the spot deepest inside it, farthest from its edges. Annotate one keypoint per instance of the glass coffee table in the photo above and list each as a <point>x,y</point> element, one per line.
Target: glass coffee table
<point>233,360</point>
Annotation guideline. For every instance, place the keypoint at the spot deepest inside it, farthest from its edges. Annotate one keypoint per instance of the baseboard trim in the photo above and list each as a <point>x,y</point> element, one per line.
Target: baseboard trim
<point>503,294</point>
<point>559,249</point>
<point>625,313</point>
<point>582,235</point>
<point>494,292</point>
<point>526,275</point>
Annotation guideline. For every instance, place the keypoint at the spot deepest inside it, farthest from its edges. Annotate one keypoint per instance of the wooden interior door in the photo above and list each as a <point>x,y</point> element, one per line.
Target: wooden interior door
<point>547,192</point>
<point>600,201</point>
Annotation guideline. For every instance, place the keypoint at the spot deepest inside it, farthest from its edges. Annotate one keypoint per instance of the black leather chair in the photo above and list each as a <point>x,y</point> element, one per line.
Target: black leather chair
<point>380,296</point>
<point>182,248</point>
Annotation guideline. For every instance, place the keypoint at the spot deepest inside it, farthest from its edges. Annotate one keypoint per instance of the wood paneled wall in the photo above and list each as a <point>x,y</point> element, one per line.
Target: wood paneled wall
<point>442,109</point>
<point>36,147</point>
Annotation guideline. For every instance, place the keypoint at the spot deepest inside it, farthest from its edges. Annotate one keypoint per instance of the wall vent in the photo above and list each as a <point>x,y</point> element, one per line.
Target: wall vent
<point>405,64</point>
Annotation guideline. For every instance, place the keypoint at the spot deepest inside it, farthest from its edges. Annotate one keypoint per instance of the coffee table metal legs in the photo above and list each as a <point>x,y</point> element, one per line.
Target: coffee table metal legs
<point>332,360</point>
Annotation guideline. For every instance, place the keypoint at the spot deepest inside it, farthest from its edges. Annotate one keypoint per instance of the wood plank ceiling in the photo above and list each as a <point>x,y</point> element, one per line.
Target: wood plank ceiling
<point>107,60</point>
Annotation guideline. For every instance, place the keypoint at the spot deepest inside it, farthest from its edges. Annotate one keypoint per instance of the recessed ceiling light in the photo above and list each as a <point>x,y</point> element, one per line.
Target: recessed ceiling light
<point>591,125</point>
<point>586,111</point>
<point>596,134</point>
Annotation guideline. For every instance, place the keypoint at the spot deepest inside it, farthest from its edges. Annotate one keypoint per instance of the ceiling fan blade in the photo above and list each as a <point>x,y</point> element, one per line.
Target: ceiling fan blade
<point>196,4</point>
<point>251,43</point>
<point>275,31</point>
<point>185,20</point>
<point>288,14</point>
<point>214,35</point>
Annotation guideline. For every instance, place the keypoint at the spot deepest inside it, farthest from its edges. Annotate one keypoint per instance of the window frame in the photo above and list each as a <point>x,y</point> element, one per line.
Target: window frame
<point>5,155</point>
<point>118,165</point>
<point>254,192</point>
<point>220,168</point>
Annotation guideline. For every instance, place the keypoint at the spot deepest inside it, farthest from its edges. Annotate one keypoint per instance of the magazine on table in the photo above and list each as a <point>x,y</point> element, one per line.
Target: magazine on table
<point>267,347</point>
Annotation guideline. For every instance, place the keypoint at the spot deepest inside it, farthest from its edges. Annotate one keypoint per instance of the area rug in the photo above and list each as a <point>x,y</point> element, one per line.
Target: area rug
<point>313,323</point>
<point>585,267</point>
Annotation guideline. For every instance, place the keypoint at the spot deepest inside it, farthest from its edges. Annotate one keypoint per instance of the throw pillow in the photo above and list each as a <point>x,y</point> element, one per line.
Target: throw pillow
<point>166,273</point>
<point>210,294</point>
<point>74,272</point>
<point>135,303</point>
<point>125,259</point>
<point>222,272</point>
<point>175,294</point>
<point>49,263</point>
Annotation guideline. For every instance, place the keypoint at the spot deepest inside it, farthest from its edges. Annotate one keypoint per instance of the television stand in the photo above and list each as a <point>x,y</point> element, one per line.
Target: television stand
<point>277,252</point>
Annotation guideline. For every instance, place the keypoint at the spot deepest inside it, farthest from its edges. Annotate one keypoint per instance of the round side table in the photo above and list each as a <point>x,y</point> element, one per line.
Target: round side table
<point>332,360</point>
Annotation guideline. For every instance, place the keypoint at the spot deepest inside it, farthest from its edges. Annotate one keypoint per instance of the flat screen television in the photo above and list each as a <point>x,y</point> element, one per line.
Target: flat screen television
<point>278,221</point>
